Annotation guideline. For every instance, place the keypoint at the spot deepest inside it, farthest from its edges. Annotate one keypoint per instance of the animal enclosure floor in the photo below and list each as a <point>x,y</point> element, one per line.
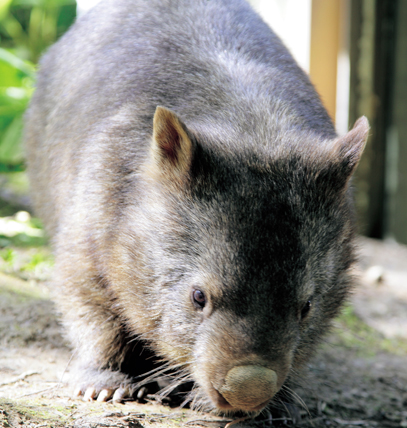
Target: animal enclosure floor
<point>357,379</point>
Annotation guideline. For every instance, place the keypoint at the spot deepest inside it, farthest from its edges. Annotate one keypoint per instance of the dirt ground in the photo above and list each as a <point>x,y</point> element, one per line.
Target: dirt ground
<point>358,379</point>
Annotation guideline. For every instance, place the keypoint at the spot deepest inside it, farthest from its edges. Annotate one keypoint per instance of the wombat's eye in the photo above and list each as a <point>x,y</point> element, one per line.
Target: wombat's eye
<point>198,298</point>
<point>305,309</point>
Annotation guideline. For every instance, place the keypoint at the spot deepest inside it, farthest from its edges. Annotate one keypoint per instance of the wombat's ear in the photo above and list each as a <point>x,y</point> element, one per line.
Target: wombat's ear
<point>172,148</point>
<point>347,150</point>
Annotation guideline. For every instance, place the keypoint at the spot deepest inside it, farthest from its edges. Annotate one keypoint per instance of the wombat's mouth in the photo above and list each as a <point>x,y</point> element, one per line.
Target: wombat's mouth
<point>222,404</point>
<point>220,401</point>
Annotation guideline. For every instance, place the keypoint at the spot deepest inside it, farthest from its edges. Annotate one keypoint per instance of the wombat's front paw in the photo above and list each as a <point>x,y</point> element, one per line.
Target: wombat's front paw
<point>104,385</point>
<point>91,393</point>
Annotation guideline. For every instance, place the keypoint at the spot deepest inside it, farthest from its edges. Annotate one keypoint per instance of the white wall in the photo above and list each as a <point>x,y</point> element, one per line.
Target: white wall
<point>83,5</point>
<point>291,20</point>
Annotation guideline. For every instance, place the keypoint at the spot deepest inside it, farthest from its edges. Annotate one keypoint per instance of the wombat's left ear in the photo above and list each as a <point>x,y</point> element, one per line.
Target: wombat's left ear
<point>172,147</point>
<point>349,148</point>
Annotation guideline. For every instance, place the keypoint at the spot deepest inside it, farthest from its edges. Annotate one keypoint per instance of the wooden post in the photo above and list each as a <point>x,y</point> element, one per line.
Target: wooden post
<point>325,33</point>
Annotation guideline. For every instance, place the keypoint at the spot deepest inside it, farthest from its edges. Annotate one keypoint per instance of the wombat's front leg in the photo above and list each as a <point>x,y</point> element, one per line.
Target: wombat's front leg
<point>107,359</point>
<point>117,379</point>
<point>100,352</point>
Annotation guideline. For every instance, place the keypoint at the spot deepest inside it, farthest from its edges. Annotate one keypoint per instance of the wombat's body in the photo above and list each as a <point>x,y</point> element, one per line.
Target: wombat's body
<point>217,231</point>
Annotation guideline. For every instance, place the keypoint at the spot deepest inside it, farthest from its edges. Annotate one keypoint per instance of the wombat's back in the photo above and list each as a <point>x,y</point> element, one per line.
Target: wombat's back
<point>219,67</point>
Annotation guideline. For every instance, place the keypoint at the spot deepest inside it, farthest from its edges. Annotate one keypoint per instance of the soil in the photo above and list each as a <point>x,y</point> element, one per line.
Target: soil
<point>357,379</point>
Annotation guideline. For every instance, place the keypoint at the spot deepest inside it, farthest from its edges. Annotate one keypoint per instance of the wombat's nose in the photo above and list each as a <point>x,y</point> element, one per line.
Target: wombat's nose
<point>249,387</point>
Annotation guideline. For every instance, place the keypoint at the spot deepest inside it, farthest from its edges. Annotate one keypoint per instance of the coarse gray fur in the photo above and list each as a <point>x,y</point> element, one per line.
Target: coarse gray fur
<point>242,193</point>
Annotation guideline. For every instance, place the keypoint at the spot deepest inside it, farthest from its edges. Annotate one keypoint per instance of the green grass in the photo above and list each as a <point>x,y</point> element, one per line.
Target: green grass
<point>352,332</point>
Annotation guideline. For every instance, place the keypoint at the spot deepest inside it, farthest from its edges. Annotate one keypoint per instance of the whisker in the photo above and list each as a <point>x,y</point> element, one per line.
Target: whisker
<point>173,385</point>
<point>158,373</point>
<point>286,389</point>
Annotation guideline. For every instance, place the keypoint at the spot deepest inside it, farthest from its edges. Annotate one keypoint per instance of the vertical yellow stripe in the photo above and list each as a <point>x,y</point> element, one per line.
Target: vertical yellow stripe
<point>324,50</point>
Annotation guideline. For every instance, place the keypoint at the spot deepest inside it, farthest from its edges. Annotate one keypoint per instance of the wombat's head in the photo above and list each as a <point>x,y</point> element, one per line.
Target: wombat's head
<point>249,251</point>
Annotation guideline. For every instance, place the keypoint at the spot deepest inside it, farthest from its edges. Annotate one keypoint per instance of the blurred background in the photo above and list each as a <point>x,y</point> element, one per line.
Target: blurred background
<point>354,50</point>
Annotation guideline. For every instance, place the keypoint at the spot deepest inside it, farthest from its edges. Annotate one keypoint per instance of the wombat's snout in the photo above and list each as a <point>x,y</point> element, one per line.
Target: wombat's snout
<point>249,387</point>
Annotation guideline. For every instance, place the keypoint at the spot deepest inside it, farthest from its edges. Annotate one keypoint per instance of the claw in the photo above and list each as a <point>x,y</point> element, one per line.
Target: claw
<point>77,392</point>
<point>142,392</point>
<point>120,394</point>
<point>105,394</point>
<point>89,394</point>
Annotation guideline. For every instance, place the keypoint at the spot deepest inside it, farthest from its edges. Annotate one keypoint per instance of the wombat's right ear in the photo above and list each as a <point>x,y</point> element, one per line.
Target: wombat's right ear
<point>347,150</point>
<point>172,148</point>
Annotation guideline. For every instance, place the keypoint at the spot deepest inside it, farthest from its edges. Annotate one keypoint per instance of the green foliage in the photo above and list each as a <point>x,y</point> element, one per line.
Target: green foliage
<point>21,231</point>
<point>27,28</point>
<point>30,26</point>
<point>8,255</point>
<point>16,86</point>
<point>23,250</point>
<point>36,260</point>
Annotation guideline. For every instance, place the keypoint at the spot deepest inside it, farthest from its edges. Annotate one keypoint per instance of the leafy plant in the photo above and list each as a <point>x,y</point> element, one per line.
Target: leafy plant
<point>16,86</point>
<point>30,26</point>
<point>27,28</point>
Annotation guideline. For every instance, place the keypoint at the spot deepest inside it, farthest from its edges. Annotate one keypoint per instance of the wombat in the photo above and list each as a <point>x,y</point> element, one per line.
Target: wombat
<point>197,197</point>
